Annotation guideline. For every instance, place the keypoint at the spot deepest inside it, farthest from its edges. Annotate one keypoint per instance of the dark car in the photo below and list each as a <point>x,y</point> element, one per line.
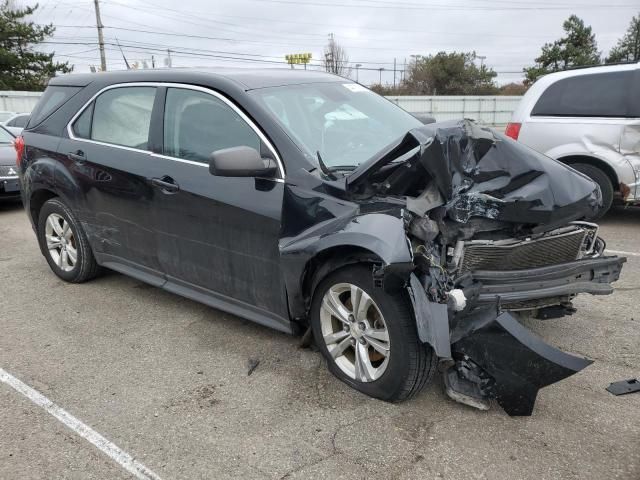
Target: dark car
<point>309,204</point>
<point>9,183</point>
<point>17,123</point>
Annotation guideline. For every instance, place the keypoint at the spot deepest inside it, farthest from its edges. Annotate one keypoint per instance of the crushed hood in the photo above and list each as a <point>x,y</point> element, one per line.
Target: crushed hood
<point>478,173</point>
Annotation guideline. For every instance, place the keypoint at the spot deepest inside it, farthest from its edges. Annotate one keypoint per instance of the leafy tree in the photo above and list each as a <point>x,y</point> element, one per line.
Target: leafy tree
<point>628,47</point>
<point>448,74</point>
<point>577,48</point>
<point>22,68</point>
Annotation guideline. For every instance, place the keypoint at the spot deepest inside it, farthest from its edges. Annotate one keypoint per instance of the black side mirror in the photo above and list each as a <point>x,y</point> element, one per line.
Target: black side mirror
<point>240,162</point>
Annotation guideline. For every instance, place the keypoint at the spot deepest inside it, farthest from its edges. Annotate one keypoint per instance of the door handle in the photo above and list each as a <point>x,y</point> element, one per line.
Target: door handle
<point>78,156</point>
<point>166,184</point>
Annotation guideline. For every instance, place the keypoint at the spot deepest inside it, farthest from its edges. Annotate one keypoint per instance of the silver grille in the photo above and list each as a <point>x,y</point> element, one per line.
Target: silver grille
<point>523,254</point>
<point>8,171</point>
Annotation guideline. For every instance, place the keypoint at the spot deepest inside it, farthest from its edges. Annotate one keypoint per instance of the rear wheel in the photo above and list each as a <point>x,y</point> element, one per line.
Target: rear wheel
<point>603,181</point>
<point>369,337</point>
<point>64,243</point>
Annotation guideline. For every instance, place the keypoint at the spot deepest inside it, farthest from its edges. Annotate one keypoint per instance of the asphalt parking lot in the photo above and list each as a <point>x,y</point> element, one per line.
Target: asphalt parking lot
<point>165,379</point>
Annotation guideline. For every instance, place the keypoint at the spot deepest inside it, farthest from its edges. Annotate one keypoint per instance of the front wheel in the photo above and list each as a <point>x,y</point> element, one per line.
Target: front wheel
<point>369,337</point>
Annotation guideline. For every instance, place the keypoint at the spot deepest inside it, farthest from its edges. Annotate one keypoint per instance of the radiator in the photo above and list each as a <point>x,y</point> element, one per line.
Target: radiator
<point>523,254</point>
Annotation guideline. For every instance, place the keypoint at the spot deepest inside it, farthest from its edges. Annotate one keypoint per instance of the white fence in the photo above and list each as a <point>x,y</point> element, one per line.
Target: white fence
<point>19,102</point>
<point>490,110</point>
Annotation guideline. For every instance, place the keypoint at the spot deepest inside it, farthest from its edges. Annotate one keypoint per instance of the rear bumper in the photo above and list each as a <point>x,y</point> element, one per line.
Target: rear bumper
<point>9,188</point>
<point>593,276</point>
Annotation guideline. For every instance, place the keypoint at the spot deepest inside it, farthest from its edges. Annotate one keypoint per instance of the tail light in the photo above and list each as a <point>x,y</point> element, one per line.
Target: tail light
<point>18,144</point>
<point>513,130</point>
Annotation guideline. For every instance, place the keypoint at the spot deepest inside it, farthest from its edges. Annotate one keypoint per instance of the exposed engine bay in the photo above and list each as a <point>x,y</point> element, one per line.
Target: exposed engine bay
<point>495,234</point>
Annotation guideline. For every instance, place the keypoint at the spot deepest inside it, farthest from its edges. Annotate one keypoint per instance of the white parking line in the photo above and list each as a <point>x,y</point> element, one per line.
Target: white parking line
<point>125,460</point>
<point>620,252</point>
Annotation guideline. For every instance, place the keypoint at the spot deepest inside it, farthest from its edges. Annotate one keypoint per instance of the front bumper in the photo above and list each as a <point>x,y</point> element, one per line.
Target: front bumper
<point>517,363</point>
<point>513,363</point>
<point>516,289</point>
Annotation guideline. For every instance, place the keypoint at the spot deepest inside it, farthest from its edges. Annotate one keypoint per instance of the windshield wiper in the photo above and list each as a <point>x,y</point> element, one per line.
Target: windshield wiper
<point>326,170</point>
<point>343,168</point>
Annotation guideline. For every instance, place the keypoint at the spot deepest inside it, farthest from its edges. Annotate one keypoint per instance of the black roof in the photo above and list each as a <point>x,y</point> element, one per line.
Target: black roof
<point>246,78</point>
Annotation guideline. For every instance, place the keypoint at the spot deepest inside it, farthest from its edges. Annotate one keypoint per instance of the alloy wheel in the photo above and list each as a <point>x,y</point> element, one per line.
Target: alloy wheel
<point>354,332</point>
<point>61,242</point>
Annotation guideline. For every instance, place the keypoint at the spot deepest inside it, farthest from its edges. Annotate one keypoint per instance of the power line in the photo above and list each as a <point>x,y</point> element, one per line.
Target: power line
<point>173,46</point>
<point>416,6</point>
<point>183,53</point>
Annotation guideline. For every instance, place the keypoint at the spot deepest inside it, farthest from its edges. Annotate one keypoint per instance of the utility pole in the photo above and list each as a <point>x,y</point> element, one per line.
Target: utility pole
<point>329,56</point>
<point>358,65</point>
<point>380,70</point>
<point>394,73</point>
<point>482,57</point>
<point>169,57</point>
<point>103,59</point>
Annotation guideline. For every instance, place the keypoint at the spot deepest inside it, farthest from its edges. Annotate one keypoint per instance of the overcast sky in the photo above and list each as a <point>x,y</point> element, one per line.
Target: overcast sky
<point>373,32</point>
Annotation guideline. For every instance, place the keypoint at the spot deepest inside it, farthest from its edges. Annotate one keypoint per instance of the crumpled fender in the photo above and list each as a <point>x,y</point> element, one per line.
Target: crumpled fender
<point>520,362</point>
<point>382,234</point>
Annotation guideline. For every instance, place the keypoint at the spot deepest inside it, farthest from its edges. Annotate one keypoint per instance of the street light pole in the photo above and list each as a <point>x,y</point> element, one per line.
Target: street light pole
<point>380,70</point>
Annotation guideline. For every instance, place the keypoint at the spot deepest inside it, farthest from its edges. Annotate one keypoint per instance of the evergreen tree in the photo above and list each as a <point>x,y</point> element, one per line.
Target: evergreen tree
<point>628,47</point>
<point>21,67</point>
<point>577,48</point>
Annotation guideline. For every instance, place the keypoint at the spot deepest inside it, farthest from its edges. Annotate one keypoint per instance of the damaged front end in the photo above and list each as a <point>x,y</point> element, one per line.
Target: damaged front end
<point>496,235</point>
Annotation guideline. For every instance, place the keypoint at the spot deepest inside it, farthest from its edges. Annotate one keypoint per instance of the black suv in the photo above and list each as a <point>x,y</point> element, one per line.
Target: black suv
<point>307,203</point>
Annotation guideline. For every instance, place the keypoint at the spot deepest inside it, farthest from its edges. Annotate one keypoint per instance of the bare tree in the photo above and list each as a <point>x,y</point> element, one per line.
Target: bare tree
<point>336,59</point>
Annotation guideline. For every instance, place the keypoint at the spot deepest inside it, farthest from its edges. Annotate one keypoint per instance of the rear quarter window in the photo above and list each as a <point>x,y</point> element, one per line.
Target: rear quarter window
<point>594,95</point>
<point>52,99</point>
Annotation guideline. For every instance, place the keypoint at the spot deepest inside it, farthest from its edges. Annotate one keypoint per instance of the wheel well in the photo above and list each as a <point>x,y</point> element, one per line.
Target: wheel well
<point>604,166</point>
<point>38,198</point>
<point>330,260</point>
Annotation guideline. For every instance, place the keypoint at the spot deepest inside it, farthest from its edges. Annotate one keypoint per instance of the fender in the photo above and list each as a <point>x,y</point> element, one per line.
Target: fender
<point>381,234</point>
<point>607,155</point>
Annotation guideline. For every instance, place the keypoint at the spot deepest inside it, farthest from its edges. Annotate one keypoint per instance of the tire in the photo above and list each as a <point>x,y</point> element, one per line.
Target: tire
<point>409,365</point>
<point>84,267</point>
<point>603,181</point>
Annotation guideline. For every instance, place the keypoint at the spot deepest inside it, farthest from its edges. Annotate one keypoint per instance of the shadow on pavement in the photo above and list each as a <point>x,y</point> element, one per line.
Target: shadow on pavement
<point>10,205</point>
<point>622,215</point>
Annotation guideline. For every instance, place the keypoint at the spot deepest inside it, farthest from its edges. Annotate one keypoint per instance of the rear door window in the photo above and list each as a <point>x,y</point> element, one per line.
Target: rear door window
<point>120,116</point>
<point>197,123</point>
<point>594,95</point>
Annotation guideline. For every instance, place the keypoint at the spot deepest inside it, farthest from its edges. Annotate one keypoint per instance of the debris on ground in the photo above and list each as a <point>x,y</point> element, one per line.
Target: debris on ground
<point>252,364</point>
<point>624,386</point>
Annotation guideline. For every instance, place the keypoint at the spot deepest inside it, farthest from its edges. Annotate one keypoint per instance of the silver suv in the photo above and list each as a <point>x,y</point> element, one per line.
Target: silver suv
<point>590,119</point>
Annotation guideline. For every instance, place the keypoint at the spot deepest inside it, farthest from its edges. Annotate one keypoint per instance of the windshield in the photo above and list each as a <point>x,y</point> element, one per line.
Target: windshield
<point>4,116</point>
<point>345,122</point>
<point>5,137</point>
